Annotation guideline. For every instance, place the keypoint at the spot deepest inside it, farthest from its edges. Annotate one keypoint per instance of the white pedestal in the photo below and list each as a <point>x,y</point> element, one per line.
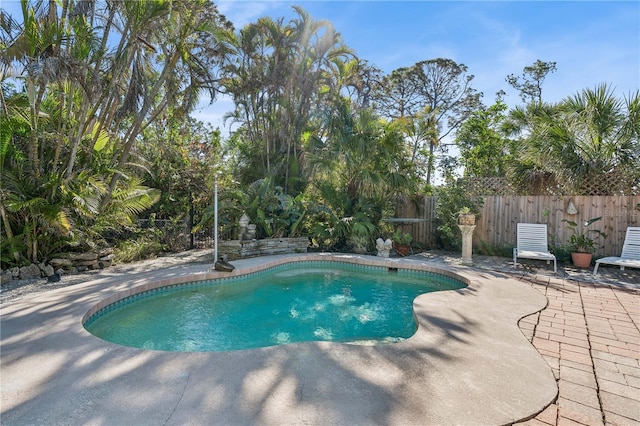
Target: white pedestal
<point>467,240</point>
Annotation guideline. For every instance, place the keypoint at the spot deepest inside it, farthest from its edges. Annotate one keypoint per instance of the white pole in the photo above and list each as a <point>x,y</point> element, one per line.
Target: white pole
<point>215,220</point>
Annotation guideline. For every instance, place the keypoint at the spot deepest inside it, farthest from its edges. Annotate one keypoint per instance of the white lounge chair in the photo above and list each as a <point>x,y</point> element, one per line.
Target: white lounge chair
<point>630,252</point>
<point>532,244</point>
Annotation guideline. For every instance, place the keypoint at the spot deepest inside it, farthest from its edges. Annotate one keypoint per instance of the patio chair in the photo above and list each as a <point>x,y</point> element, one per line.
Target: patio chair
<point>532,244</point>
<point>630,252</point>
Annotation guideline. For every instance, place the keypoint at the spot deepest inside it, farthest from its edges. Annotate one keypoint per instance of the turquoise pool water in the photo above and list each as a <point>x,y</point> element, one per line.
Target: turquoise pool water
<point>297,302</point>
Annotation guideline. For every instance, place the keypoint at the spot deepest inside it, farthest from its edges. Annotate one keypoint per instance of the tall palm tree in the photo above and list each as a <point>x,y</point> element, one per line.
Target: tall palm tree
<point>276,84</point>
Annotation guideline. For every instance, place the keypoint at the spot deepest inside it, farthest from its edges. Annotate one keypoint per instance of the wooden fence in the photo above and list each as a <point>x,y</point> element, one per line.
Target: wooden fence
<point>496,225</point>
<point>416,218</point>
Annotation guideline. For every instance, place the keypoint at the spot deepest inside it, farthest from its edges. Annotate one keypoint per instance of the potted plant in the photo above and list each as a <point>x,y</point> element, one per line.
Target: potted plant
<point>402,242</point>
<point>466,217</point>
<point>581,245</point>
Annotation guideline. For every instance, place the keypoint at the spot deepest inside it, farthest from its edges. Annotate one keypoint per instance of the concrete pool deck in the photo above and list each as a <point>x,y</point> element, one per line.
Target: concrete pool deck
<point>469,363</point>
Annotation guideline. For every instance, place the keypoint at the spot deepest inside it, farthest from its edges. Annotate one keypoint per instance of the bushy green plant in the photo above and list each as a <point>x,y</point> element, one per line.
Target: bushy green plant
<point>561,252</point>
<point>401,238</point>
<point>580,241</point>
<point>274,213</point>
<point>451,199</point>
<point>146,244</point>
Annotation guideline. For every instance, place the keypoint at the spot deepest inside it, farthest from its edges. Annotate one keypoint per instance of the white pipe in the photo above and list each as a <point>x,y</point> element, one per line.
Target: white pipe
<point>215,220</point>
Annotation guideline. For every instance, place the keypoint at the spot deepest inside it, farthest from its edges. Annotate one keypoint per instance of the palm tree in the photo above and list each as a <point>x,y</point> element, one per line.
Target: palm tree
<point>359,166</point>
<point>361,153</point>
<point>94,75</point>
<point>276,82</point>
<point>591,137</point>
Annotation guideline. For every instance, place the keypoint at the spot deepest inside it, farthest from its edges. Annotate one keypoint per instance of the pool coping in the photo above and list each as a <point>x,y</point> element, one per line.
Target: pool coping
<point>468,363</point>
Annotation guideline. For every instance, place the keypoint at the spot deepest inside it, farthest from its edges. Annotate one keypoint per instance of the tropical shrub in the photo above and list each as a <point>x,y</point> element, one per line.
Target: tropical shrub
<point>141,244</point>
<point>450,200</point>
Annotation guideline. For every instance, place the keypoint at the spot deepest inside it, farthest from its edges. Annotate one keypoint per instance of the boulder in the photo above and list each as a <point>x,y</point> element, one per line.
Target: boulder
<point>83,256</point>
<point>105,252</point>
<point>30,272</point>
<point>93,262</point>
<point>6,276</point>
<point>48,270</point>
<point>60,263</point>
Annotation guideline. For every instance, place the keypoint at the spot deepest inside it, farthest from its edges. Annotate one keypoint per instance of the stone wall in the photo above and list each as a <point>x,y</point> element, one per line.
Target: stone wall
<point>63,263</point>
<point>237,249</point>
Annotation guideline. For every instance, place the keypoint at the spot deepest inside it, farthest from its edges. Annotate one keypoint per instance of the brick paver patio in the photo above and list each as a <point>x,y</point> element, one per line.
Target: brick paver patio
<point>590,336</point>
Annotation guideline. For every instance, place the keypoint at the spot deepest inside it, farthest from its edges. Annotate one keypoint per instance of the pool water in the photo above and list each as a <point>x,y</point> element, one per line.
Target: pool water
<point>298,302</point>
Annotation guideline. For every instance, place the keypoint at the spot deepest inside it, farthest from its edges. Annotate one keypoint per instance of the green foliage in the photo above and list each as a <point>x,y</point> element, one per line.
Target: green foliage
<point>432,98</point>
<point>591,136</point>
<point>72,134</point>
<point>360,232</point>
<point>274,213</point>
<point>95,137</point>
<point>580,241</point>
<point>451,199</point>
<point>281,74</point>
<point>561,252</point>
<point>484,149</point>
<point>144,244</point>
<point>183,153</point>
<point>401,238</point>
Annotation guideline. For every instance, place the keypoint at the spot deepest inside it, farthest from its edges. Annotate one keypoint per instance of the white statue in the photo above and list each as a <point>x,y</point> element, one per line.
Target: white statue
<point>383,247</point>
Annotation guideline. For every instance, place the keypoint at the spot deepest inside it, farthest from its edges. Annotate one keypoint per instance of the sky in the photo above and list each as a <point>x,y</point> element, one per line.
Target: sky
<point>592,42</point>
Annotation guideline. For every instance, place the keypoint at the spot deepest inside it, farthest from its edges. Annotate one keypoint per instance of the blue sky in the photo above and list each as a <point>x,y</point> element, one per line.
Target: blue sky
<point>592,42</point>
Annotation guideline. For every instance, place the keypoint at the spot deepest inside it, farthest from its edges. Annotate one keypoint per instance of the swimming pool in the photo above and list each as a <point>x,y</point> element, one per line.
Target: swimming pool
<point>292,302</point>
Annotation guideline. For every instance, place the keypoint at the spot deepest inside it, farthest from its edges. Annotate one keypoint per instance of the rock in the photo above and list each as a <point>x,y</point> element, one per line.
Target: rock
<point>6,276</point>
<point>83,256</point>
<point>15,272</point>
<point>104,264</point>
<point>105,252</point>
<point>60,271</point>
<point>54,278</point>
<point>105,261</point>
<point>29,272</point>
<point>91,264</point>
<point>60,262</point>
<point>48,270</point>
